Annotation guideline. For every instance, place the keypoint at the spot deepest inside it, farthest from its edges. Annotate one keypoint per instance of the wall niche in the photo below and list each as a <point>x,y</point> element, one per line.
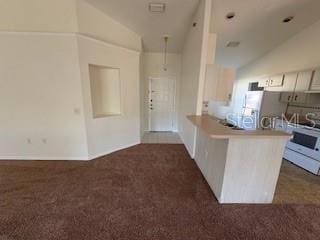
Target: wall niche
<point>105,91</point>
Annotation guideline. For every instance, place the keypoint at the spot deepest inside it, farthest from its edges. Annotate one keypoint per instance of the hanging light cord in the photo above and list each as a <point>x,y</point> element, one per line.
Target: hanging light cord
<point>166,38</point>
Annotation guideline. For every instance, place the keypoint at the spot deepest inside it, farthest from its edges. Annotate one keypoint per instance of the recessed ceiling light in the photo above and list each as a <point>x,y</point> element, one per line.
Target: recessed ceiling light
<point>157,7</point>
<point>233,44</point>
<point>230,15</point>
<point>288,19</point>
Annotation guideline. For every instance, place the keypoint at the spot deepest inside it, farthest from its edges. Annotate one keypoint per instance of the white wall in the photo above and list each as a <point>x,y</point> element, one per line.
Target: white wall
<point>153,67</point>
<point>46,110</point>
<point>67,16</point>
<point>93,22</point>
<point>38,15</point>
<point>40,98</point>
<point>194,59</point>
<point>108,134</point>
<point>298,53</point>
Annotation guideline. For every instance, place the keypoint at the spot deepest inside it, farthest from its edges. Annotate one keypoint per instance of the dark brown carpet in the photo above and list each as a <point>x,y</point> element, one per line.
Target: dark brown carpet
<point>145,192</point>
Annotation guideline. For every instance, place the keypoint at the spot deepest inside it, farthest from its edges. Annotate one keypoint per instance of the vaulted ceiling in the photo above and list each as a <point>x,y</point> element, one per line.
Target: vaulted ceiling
<point>152,27</point>
<point>258,26</point>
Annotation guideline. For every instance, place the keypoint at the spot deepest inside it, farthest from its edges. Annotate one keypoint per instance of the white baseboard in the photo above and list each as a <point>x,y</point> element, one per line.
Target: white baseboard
<point>113,150</point>
<point>33,158</point>
<point>181,137</point>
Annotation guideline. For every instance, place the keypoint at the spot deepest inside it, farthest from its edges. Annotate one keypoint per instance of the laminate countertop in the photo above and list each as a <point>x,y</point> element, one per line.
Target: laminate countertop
<point>214,129</point>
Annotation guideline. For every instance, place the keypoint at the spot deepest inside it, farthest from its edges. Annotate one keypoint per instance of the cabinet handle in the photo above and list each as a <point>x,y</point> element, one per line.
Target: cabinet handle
<point>289,97</point>
<point>267,82</point>
<point>271,82</point>
<point>295,98</point>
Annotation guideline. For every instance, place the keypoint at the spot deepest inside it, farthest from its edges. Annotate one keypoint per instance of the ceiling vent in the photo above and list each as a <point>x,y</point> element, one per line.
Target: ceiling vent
<point>233,44</point>
<point>157,7</point>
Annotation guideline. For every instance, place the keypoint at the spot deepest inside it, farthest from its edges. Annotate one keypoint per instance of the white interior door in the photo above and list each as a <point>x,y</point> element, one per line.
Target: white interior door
<point>161,104</point>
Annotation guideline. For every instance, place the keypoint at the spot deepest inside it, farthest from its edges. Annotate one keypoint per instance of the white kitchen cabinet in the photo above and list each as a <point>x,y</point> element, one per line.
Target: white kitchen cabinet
<point>219,83</point>
<point>293,97</point>
<point>264,82</point>
<point>315,85</point>
<point>303,81</point>
<point>271,82</point>
<point>288,83</point>
<point>286,97</point>
<point>294,87</point>
<point>276,81</point>
<point>299,97</point>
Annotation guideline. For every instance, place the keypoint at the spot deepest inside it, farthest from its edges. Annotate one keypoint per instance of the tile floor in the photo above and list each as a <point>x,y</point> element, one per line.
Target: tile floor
<point>297,186</point>
<point>161,137</point>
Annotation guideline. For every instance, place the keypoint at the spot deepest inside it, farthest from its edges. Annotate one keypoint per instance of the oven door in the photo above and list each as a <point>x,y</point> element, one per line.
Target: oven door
<point>306,142</point>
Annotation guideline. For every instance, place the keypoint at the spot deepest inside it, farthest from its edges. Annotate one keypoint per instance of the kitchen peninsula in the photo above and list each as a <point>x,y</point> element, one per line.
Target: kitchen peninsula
<point>240,166</point>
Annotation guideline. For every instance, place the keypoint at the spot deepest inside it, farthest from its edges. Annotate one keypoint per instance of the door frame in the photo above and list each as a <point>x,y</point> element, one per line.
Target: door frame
<point>174,92</point>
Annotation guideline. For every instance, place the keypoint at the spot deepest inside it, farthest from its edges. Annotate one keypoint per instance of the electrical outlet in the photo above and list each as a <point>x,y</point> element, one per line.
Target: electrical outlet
<point>206,153</point>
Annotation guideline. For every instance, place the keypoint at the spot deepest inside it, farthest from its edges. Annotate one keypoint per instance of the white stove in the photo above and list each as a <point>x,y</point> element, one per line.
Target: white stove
<point>304,147</point>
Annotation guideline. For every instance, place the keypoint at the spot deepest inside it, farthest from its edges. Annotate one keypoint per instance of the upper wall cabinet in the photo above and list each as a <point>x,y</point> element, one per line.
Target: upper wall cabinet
<point>272,83</point>
<point>289,82</point>
<point>294,87</point>
<point>219,83</point>
<point>315,85</point>
<point>276,81</point>
<point>264,82</point>
<point>303,81</point>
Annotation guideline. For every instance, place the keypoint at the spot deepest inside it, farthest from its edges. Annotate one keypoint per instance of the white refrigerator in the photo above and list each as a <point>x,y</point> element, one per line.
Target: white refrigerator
<point>257,105</point>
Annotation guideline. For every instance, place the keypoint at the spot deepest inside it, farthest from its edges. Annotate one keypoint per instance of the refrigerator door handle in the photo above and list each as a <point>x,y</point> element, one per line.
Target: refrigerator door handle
<point>244,105</point>
<point>245,101</point>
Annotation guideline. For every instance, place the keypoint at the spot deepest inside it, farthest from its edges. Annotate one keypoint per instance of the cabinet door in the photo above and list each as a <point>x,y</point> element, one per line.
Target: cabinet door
<point>315,85</point>
<point>303,81</point>
<point>286,97</point>
<point>225,85</point>
<point>219,83</point>
<point>289,82</point>
<point>299,97</point>
<point>276,81</point>
<point>263,82</point>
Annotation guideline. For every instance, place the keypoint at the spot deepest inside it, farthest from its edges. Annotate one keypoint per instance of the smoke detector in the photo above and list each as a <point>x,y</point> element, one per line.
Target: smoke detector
<point>233,44</point>
<point>157,7</point>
